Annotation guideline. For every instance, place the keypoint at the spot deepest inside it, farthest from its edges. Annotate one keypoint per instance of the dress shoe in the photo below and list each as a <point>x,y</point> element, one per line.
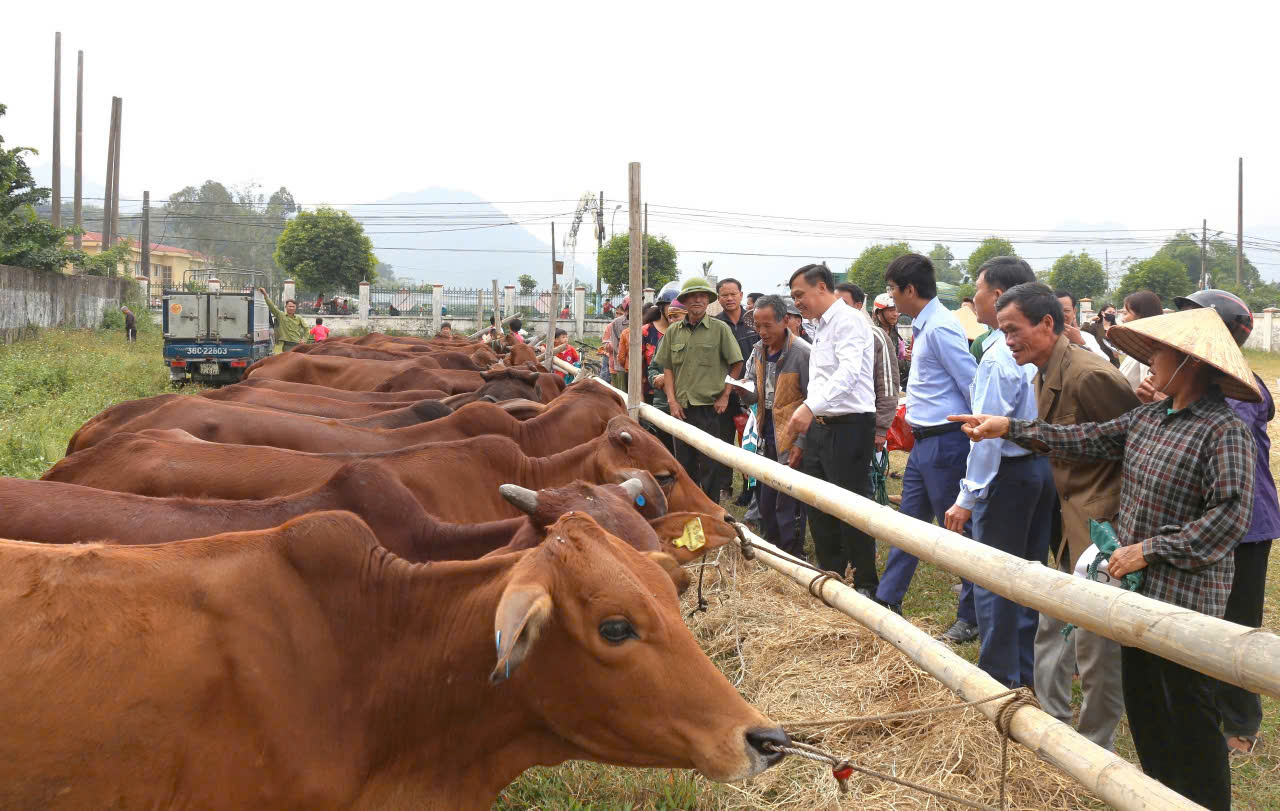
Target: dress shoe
<point>960,632</point>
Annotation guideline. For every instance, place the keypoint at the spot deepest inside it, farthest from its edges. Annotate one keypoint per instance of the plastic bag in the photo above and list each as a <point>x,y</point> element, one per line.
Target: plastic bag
<point>1092,564</point>
<point>900,437</point>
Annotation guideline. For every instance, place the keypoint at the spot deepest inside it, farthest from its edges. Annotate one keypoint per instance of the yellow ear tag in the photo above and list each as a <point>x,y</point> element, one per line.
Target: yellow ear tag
<point>693,538</point>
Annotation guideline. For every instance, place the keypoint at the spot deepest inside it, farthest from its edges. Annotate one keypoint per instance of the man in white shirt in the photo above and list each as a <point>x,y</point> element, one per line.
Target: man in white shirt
<point>838,418</point>
<point>1073,332</point>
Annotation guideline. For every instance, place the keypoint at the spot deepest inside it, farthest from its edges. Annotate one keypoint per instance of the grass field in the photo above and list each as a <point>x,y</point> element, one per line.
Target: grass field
<point>51,384</point>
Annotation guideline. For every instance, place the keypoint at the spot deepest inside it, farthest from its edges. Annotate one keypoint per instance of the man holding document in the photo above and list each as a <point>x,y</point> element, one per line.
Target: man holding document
<point>777,379</point>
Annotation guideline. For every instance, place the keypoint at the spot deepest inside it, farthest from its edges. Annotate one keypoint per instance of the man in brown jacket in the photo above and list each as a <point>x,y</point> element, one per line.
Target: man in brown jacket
<point>778,372</point>
<point>1073,386</point>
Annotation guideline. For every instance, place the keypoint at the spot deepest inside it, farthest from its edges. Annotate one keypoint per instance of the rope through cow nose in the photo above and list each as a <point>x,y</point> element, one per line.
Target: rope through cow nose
<point>842,769</point>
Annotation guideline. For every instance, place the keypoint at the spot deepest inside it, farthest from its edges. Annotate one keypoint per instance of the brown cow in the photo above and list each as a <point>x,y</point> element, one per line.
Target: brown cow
<point>452,480</point>
<point>407,395</point>
<point>582,416</point>
<point>243,424</point>
<point>54,512</point>
<point>452,380</point>
<point>307,667</point>
<point>308,404</point>
<point>354,374</point>
<point>478,361</point>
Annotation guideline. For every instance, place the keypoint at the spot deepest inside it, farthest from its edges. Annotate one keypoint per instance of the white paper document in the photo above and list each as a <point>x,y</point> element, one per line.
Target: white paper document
<point>742,384</point>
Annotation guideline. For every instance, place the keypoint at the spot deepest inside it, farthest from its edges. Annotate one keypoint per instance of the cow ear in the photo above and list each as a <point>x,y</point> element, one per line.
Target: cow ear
<point>673,568</point>
<point>687,536</point>
<point>523,612</point>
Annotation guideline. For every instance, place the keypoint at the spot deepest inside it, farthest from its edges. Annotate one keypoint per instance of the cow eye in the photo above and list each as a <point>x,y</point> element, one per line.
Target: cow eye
<point>618,631</point>
<point>665,480</point>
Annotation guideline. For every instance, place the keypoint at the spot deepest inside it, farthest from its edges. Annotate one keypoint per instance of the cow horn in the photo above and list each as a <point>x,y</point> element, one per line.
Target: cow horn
<point>522,497</point>
<point>634,488</point>
<point>625,436</point>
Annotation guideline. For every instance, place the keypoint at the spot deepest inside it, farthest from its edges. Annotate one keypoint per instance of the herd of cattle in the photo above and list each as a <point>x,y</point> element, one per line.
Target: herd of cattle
<point>379,572</point>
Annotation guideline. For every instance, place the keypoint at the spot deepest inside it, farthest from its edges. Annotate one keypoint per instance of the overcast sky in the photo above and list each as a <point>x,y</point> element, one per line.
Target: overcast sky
<point>1008,117</point>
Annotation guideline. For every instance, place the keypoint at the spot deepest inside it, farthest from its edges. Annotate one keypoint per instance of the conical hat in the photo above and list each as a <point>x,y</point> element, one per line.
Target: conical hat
<point>1199,333</point>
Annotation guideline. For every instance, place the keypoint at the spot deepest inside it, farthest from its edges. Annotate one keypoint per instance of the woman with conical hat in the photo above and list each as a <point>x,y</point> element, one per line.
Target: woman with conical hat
<point>1185,502</point>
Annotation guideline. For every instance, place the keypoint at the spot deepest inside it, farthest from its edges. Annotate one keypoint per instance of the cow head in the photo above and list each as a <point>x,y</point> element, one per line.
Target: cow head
<point>625,510</point>
<point>626,445</point>
<point>687,536</point>
<point>520,354</point>
<point>585,603</point>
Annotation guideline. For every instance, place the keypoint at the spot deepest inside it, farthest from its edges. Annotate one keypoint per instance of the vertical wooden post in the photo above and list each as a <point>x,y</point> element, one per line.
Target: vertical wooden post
<point>111,166</point>
<point>115,176</point>
<point>77,205</point>
<point>599,249</point>
<point>551,303</point>
<point>57,130</point>
<point>635,359</point>
<point>480,325</point>
<point>146,234</point>
<point>1239,225</point>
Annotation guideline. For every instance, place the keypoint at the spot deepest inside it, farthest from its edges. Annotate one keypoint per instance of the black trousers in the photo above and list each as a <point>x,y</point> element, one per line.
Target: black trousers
<point>840,453</point>
<point>706,472</point>
<point>782,518</point>
<point>1174,720</point>
<point>1241,710</point>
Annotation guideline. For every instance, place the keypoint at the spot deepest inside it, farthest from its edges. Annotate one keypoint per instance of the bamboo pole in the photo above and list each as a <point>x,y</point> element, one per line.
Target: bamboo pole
<point>1248,657</point>
<point>1119,783</point>
<point>485,329</point>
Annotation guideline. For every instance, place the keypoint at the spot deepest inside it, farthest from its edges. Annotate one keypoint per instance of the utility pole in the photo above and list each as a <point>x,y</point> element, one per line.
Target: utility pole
<point>111,166</point>
<point>146,238</point>
<point>635,363</point>
<point>551,303</point>
<point>57,130</point>
<point>1204,254</point>
<point>1239,225</point>
<point>599,246</point>
<point>77,204</point>
<point>115,177</point>
<point>644,282</point>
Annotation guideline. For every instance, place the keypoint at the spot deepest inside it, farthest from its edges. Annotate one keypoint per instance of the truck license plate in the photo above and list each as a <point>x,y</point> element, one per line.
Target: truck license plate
<point>209,369</point>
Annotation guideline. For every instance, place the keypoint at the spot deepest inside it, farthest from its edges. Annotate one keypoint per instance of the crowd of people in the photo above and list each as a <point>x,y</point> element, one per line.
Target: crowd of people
<point>1041,437</point>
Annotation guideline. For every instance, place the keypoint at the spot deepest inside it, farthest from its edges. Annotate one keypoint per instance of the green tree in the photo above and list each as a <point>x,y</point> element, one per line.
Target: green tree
<point>944,265</point>
<point>326,251</point>
<point>25,239</point>
<point>615,267</point>
<point>991,246</point>
<point>232,226</point>
<point>1079,273</point>
<point>1184,247</point>
<point>867,271</point>
<point>527,284</point>
<point>1161,275</point>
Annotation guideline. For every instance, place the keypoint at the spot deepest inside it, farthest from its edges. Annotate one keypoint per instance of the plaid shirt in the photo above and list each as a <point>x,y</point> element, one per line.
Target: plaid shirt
<point>1186,493</point>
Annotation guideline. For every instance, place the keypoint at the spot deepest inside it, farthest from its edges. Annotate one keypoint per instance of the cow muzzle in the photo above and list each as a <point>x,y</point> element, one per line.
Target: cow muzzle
<point>760,751</point>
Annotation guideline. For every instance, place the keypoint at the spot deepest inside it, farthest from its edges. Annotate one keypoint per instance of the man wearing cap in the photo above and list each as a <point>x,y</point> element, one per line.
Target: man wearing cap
<point>696,355</point>
<point>795,323</point>
<point>1072,386</point>
<point>1186,498</point>
<point>1007,490</point>
<point>941,372</point>
<point>838,416</point>
<point>884,315</point>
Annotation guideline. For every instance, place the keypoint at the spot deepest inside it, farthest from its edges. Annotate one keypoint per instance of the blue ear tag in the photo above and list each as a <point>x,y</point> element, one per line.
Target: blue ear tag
<point>639,501</point>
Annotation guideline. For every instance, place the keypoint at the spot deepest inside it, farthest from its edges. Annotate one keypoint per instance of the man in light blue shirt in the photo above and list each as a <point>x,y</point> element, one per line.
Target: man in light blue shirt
<point>942,370</point>
<point>1007,490</point>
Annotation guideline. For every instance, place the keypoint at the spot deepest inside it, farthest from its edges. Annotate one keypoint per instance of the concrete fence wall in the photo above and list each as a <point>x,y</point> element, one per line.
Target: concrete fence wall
<point>39,299</point>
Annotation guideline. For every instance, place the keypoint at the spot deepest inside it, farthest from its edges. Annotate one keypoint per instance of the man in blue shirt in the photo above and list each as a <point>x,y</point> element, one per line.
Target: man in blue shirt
<point>1008,490</point>
<point>941,372</point>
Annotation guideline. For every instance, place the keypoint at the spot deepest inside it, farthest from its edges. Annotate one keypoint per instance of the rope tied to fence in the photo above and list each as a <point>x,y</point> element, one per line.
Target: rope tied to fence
<point>842,769</point>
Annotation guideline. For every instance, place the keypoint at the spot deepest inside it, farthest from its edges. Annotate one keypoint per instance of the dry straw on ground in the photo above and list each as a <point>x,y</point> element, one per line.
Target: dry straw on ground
<point>796,659</point>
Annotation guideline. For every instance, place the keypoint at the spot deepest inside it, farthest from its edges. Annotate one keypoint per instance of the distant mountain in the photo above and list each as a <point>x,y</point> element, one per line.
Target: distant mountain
<point>409,229</point>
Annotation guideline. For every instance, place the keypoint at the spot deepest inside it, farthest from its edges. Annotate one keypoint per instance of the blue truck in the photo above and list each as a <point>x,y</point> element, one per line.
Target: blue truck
<point>215,327</point>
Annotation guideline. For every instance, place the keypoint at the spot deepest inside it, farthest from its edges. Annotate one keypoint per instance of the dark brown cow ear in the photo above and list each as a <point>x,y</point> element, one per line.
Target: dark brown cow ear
<point>673,568</point>
<point>523,612</point>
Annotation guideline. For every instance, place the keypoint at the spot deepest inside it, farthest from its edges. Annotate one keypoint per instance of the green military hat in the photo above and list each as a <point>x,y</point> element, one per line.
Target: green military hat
<point>697,284</point>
